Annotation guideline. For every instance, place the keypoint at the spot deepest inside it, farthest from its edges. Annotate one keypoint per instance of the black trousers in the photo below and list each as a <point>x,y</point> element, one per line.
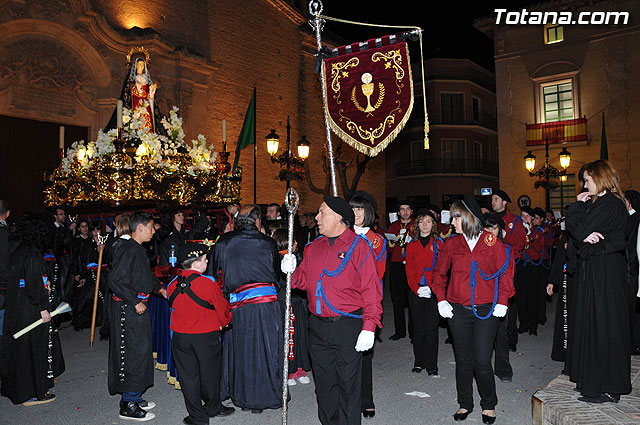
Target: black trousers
<point>426,319</point>
<point>337,369</point>
<point>528,289</point>
<point>366,401</point>
<point>473,340</point>
<point>199,365</point>
<point>502,365</point>
<point>399,296</point>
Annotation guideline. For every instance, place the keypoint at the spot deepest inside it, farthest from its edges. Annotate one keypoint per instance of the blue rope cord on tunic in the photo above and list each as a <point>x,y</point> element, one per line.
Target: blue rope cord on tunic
<point>528,258</point>
<point>423,281</point>
<point>495,277</point>
<point>321,296</point>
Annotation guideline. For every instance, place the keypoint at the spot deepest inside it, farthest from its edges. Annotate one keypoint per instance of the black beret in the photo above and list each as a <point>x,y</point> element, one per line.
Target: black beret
<point>340,206</point>
<point>366,195</point>
<point>489,217</point>
<point>539,212</point>
<point>502,194</point>
<point>436,209</point>
<point>424,211</point>
<point>528,210</point>
<point>470,202</point>
<point>405,202</point>
<point>192,250</point>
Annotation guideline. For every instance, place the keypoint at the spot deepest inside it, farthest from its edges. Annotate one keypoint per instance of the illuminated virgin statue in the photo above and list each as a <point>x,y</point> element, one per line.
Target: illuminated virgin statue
<point>139,91</point>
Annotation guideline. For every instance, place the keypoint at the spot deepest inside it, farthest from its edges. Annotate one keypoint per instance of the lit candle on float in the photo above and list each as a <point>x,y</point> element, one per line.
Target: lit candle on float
<point>119,114</point>
<point>61,138</point>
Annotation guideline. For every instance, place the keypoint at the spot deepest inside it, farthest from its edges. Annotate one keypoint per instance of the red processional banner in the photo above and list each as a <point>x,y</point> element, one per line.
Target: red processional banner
<point>369,96</point>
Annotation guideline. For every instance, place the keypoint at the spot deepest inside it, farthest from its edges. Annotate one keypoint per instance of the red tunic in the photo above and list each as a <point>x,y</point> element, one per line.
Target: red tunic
<point>550,239</point>
<point>379,245</point>
<point>188,317</point>
<point>490,255</point>
<point>418,258</point>
<point>357,287</point>
<point>534,246</point>
<point>515,233</point>
<point>394,228</point>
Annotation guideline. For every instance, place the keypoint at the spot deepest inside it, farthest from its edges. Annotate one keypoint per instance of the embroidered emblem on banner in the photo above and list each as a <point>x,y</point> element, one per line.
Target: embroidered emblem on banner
<point>490,239</point>
<point>341,255</point>
<point>369,96</point>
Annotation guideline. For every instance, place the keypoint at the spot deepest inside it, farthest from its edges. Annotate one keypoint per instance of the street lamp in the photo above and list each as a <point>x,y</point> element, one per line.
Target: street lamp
<point>547,171</point>
<point>289,163</point>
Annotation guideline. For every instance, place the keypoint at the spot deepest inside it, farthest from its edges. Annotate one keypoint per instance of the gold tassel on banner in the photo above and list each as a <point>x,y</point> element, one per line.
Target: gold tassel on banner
<point>424,97</point>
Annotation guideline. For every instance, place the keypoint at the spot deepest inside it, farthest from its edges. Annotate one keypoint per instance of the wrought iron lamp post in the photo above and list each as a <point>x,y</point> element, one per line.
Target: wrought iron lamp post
<point>547,171</point>
<point>287,160</point>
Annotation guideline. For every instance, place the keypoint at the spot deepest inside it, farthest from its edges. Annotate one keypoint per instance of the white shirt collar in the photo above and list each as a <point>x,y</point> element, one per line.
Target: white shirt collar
<point>360,230</point>
<point>471,242</point>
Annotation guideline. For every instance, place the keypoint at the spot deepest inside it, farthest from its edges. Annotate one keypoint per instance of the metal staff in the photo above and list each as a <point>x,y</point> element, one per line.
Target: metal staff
<point>101,241</point>
<point>291,201</point>
<point>317,23</point>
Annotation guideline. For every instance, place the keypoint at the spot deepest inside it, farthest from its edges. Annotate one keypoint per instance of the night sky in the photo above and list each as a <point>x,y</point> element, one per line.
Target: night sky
<point>448,25</point>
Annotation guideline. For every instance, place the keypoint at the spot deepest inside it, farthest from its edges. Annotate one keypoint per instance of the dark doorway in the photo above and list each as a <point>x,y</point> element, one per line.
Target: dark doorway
<point>28,148</point>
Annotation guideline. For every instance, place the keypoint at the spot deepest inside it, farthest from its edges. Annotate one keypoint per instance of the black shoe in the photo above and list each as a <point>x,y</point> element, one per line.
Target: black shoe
<point>486,419</point>
<point>513,347</point>
<point>256,411</point>
<point>369,413</point>
<point>602,398</point>
<point>458,416</point>
<point>225,411</point>
<point>396,337</point>
<point>146,405</point>
<point>542,322</point>
<point>522,330</point>
<point>447,341</point>
<point>432,372</point>
<point>533,332</point>
<point>245,409</point>
<point>190,421</point>
<point>505,378</point>
<point>48,397</point>
<point>416,369</point>
<point>132,412</point>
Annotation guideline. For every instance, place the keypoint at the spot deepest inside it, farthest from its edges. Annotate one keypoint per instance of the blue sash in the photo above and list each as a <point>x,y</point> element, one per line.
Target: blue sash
<point>252,293</point>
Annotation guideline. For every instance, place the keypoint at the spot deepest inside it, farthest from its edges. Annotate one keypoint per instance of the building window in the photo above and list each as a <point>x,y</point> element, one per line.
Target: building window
<point>454,155</point>
<point>557,101</point>
<point>475,108</point>
<point>564,194</point>
<point>477,154</point>
<point>452,108</point>
<point>553,34</point>
<point>418,153</point>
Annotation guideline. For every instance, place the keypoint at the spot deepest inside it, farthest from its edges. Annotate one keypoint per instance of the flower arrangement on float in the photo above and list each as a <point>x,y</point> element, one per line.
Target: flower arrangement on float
<point>141,165</point>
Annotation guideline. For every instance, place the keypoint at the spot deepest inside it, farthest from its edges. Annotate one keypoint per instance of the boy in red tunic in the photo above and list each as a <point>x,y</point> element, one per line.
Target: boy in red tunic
<point>199,312</point>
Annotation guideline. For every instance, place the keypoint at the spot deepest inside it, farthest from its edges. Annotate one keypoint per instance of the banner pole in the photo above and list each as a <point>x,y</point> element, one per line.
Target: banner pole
<point>291,201</point>
<point>317,23</point>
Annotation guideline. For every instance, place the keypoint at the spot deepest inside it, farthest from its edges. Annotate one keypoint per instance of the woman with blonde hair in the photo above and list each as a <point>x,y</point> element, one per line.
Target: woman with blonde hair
<point>598,351</point>
<point>477,296</point>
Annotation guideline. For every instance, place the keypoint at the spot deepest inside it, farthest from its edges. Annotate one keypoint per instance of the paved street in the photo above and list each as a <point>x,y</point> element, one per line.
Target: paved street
<point>82,396</point>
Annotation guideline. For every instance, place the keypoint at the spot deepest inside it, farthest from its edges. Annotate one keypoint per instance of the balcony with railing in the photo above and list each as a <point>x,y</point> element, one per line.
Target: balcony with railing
<point>446,166</point>
<point>468,116</point>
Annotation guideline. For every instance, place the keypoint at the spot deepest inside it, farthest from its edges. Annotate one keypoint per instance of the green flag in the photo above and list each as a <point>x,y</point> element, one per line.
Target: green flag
<point>248,134</point>
<point>604,152</point>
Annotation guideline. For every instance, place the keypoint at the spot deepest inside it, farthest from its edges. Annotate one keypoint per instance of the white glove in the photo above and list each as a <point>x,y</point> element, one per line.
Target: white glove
<point>288,263</point>
<point>424,292</point>
<point>500,310</point>
<point>365,341</point>
<point>445,309</point>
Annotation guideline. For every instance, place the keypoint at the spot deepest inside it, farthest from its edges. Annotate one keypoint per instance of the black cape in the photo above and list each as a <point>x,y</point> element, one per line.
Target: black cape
<point>598,352</point>
<point>130,275</point>
<point>24,365</point>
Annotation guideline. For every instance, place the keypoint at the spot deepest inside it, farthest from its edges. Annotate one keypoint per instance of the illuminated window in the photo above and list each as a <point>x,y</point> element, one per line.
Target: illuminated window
<point>557,101</point>
<point>564,194</point>
<point>553,34</point>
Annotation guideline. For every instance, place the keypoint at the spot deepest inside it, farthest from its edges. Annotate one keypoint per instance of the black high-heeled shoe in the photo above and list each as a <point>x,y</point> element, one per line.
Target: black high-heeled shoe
<point>486,419</point>
<point>416,369</point>
<point>461,416</point>
<point>369,413</point>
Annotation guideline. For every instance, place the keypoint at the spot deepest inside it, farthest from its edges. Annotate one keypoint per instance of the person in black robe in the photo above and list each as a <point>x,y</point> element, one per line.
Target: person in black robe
<point>560,279</point>
<point>62,249</point>
<point>631,236</point>
<point>598,351</point>
<point>173,233</point>
<point>130,355</point>
<point>4,257</point>
<point>28,364</point>
<point>252,354</point>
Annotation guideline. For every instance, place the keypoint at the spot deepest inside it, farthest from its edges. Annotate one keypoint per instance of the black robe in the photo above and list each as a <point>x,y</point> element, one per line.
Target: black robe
<point>561,280</point>
<point>130,275</point>
<point>252,350</point>
<point>178,237</point>
<point>598,352</point>
<point>83,294</point>
<point>24,363</point>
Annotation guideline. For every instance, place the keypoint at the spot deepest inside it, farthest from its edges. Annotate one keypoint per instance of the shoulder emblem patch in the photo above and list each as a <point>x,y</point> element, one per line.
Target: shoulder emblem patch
<point>510,226</point>
<point>342,254</point>
<point>376,243</point>
<point>490,239</point>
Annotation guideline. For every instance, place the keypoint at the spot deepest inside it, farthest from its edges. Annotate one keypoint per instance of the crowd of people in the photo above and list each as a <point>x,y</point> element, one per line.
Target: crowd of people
<point>483,271</point>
